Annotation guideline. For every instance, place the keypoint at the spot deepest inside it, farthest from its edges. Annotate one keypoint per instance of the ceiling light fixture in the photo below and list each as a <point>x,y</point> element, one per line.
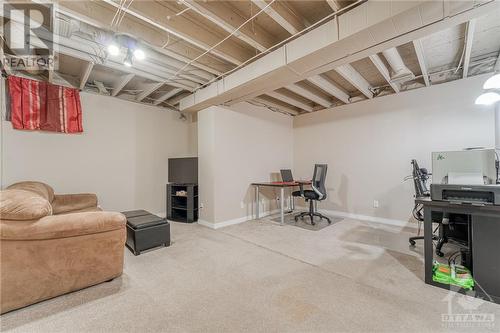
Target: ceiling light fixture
<point>113,49</point>
<point>139,54</point>
<point>487,98</point>
<point>493,82</point>
<point>128,59</point>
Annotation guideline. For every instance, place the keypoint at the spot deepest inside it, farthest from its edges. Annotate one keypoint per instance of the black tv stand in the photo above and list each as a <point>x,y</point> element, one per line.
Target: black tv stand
<point>182,202</point>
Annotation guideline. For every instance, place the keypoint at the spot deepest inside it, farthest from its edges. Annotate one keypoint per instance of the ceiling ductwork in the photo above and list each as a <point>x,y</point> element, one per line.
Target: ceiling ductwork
<point>368,29</point>
<point>399,72</point>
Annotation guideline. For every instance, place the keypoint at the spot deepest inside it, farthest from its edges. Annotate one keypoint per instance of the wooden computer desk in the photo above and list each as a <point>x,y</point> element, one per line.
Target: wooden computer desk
<point>281,186</point>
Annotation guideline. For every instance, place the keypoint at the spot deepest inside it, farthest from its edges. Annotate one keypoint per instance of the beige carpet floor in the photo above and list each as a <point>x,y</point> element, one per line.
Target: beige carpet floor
<point>261,277</point>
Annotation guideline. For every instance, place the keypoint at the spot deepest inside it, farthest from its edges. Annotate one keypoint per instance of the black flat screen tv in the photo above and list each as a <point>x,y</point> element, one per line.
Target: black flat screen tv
<point>183,170</point>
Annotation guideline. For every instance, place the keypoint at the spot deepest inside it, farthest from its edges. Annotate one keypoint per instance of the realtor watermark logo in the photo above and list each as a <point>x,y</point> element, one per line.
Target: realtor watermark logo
<point>28,36</point>
<point>467,310</point>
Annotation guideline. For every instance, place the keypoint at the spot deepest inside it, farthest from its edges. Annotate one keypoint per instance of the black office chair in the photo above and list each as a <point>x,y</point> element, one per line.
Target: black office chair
<point>318,193</point>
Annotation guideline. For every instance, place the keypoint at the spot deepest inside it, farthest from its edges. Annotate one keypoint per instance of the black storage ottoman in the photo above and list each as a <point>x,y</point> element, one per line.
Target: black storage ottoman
<point>146,231</point>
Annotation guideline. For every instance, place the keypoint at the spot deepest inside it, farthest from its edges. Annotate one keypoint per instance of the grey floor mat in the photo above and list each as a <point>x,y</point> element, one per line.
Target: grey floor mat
<point>305,223</point>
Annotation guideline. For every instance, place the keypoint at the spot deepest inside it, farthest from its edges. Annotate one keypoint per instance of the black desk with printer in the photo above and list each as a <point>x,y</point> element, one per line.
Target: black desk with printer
<point>464,200</point>
<point>479,206</point>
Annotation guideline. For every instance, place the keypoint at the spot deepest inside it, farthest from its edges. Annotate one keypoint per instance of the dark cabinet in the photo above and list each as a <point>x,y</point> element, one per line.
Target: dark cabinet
<point>182,202</point>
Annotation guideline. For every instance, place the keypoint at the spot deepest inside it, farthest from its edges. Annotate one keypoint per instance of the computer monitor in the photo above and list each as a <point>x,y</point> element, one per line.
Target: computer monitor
<point>286,175</point>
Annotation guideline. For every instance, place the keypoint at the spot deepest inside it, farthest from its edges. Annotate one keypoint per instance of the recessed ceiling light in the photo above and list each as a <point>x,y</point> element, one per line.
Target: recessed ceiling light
<point>139,54</point>
<point>113,49</point>
<point>487,98</point>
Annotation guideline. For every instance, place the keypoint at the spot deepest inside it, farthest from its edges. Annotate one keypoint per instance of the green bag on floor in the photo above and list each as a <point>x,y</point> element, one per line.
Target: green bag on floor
<point>455,275</point>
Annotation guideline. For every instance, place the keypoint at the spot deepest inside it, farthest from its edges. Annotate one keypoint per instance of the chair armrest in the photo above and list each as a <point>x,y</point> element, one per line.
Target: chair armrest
<point>65,203</point>
<point>62,226</point>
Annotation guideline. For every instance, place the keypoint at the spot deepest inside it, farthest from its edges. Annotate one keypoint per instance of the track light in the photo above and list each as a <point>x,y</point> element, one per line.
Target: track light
<point>488,98</point>
<point>139,54</point>
<point>493,82</point>
<point>113,49</point>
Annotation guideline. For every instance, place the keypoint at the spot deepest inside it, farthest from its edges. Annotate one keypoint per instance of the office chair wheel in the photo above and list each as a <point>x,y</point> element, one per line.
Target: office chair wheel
<point>412,242</point>
<point>439,253</point>
<point>328,219</point>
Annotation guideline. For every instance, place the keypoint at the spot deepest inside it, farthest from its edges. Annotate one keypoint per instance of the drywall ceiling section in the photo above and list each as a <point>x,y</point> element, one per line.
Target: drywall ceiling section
<point>369,28</point>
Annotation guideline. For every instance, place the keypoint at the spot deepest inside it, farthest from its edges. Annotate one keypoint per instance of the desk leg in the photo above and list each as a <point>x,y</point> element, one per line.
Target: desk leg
<point>291,200</point>
<point>428,247</point>
<point>282,210</point>
<point>257,203</point>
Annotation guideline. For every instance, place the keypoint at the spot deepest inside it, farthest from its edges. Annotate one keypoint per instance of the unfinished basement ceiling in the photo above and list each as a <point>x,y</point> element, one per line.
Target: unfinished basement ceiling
<point>189,45</point>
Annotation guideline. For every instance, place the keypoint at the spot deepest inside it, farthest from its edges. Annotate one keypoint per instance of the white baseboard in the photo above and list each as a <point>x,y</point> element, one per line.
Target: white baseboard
<point>239,220</point>
<point>335,213</point>
<point>383,220</point>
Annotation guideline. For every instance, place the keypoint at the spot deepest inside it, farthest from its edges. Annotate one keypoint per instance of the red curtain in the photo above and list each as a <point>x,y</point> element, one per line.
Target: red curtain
<point>43,106</point>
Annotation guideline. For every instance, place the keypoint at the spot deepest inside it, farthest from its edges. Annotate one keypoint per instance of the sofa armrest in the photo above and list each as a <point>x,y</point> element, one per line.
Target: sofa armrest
<point>65,203</point>
<point>62,226</point>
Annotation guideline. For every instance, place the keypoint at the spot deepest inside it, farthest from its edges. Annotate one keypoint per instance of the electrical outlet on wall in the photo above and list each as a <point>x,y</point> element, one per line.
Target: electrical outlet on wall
<point>201,205</point>
<point>376,204</point>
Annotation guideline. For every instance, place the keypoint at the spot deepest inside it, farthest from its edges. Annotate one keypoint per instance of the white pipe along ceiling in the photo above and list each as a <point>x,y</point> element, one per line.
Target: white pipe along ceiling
<point>368,29</point>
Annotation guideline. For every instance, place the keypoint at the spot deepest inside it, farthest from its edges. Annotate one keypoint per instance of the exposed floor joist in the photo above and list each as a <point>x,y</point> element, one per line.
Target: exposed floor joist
<point>330,87</point>
<point>419,50</point>
<point>220,15</point>
<point>350,74</point>
<point>99,15</point>
<point>167,96</point>
<point>120,84</point>
<point>275,105</point>
<point>281,16</point>
<point>153,14</point>
<point>334,4</point>
<point>290,100</point>
<point>306,93</point>
<point>84,76</point>
<point>148,91</point>
<point>469,39</point>
<point>384,71</point>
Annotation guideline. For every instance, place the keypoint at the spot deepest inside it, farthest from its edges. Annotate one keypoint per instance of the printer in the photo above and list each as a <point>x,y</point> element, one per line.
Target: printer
<point>465,177</point>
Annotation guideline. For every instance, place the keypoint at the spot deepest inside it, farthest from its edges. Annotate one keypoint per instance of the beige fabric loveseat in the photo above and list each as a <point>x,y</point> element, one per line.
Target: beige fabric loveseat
<point>54,244</point>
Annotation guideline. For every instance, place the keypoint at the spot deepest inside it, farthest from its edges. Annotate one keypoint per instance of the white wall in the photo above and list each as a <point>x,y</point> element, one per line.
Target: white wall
<point>122,154</point>
<point>368,145</point>
<point>236,147</point>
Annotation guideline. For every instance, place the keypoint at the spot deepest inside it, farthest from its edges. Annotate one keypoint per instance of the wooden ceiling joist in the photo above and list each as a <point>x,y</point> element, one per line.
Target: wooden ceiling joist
<point>419,51</point>
<point>281,15</point>
<point>290,100</point>
<point>469,38</point>
<point>99,15</point>
<point>227,19</point>
<point>148,91</point>
<point>155,14</point>
<point>352,75</point>
<point>167,96</point>
<point>307,93</point>
<point>330,87</point>
<point>377,61</point>
<point>84,76</point>
<point>121,83</point>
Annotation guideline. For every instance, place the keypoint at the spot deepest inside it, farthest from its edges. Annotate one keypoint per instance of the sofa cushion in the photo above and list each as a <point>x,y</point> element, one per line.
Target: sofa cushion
<point>23,205</point>
<point>40,188</point>
<point>62,226</point>
<point>67,203</point>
